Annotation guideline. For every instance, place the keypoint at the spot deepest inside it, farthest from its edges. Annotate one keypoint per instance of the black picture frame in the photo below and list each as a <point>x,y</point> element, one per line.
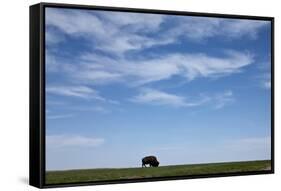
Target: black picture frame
<point>37,162</point>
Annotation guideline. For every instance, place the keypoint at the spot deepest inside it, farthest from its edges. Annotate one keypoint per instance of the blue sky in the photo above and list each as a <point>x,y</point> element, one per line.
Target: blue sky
<point>120,86</point>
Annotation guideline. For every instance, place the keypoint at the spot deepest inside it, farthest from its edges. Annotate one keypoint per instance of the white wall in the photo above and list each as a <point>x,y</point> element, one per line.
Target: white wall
<point>14,93</point>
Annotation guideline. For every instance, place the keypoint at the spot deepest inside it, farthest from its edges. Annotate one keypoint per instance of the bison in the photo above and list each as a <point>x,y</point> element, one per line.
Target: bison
<point>151,160</point>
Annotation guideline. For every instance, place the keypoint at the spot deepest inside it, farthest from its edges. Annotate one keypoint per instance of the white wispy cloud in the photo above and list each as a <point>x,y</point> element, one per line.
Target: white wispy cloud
<point>156,97</point>
<point>200,28</point>
<point>243,27</point>
<point>159,98</point>
<point>79,91</point>
<point>223,99</point>
<point>98,76</point>
<point>118,33</point>
<point>135,22</point>
<point>112,32</point>
<point>53,37</point>
<point>73,22</point>
<point>100,69</point>
<point>62,141</point>
<point>75,91</point>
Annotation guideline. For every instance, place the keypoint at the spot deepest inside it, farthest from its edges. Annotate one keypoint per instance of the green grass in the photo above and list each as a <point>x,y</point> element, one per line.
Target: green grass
<point>89,175</point>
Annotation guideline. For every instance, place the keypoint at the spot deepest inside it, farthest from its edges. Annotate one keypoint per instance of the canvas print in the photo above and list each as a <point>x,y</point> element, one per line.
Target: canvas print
<point>140,95</point>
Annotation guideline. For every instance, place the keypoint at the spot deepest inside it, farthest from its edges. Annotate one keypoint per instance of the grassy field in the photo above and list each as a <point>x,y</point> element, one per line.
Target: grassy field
<point>72,176</point>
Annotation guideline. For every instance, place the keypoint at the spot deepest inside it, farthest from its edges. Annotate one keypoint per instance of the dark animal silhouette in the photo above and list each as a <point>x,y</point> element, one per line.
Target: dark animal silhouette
<point>151,161</point>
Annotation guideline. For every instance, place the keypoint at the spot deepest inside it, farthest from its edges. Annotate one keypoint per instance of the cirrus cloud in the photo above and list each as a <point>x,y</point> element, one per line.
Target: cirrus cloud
<point>73,91</point>
<point>118,33</point>
<point>99,69</point>
<point>157,97</point>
